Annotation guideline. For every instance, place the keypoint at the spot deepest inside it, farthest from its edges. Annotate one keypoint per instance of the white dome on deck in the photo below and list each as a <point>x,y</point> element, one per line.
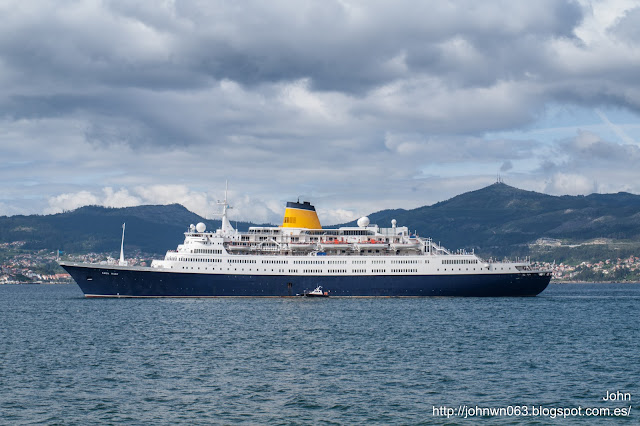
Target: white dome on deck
<point>363,222</point>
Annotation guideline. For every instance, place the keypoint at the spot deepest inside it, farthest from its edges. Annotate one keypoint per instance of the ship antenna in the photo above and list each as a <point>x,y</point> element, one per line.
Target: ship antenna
<point>122,261</point>
<point>226,190</point>
<point>224,203</point>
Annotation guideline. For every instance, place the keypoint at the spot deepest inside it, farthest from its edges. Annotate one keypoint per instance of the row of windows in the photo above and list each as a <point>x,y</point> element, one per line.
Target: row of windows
<point>207,251</point>
<point>321,232</point>
<point>265,231</point>
<point>196,259</point>
<point>320,271</point>
<point>298,262</point>
<point>459,269</point>
<point>459,261</point>
<point>357,233</point>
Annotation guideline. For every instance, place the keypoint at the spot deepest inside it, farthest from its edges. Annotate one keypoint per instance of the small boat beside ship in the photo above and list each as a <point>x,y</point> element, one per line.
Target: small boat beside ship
<point>276,261</point>
<point>317,292</point>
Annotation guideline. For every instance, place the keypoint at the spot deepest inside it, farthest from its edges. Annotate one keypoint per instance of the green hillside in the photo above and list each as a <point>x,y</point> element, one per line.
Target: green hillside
<point>151,229</point>
<point>500,219</point>
<point>495,221</point>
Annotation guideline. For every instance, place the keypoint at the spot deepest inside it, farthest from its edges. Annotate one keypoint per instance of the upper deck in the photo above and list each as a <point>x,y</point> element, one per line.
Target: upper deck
<point>295,245</point>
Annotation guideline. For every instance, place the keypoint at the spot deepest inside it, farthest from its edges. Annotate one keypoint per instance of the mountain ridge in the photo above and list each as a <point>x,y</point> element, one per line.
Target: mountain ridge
<point>496,219</point>
<point>503,216</point>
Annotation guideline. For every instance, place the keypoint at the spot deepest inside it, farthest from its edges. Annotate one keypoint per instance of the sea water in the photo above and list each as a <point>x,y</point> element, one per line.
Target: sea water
<point>65,359</point>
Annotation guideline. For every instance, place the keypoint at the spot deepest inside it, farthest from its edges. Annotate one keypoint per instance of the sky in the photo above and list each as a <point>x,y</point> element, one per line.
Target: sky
<point>356,106</point>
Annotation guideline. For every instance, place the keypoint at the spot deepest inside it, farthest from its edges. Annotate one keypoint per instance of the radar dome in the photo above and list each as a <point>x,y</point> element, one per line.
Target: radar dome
<point>393,222</point>
<point>363,222</point>
<point>201,227</point>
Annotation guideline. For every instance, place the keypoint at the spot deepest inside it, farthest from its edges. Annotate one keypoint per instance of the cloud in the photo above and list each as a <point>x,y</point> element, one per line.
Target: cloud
<point>453,149</point>
<point>590,148</point>
<point>570,184</point>
<point>197,202</point>
<point>359,105</point>
<point>120,198</point>
<point>588,163</point>
<point>626,27</point>
<point>65,202</point>
<point>437,66</point>
<point>204,204</point>
<point>506,166</point>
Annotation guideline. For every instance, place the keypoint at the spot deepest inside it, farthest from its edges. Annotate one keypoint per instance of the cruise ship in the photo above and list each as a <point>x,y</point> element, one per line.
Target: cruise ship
<point>364,260</point>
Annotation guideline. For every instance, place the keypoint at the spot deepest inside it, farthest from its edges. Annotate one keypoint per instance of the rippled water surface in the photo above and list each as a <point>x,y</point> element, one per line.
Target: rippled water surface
<point>65,359</point>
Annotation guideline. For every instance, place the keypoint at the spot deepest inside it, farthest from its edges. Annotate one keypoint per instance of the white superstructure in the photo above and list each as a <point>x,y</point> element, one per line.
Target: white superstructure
<point>362,250</point>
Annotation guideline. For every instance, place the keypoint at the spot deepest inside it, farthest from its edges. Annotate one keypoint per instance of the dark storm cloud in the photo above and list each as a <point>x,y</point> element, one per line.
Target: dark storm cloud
<point>480,44</point>
<point>338,47</point>
<point>56,105</point>
<point>157,52</point>
<point>352,49</point>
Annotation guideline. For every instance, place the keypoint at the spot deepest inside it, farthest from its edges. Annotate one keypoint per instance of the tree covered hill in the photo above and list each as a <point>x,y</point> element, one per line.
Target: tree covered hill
<point>151,229</point>
<point>496,220</point>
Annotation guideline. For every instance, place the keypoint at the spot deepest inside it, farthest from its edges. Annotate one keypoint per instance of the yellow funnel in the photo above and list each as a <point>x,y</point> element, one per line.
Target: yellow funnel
<point>301,215</point>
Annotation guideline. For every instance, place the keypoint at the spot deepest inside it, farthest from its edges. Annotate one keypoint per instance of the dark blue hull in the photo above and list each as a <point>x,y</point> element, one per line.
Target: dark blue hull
<point>97,281</point>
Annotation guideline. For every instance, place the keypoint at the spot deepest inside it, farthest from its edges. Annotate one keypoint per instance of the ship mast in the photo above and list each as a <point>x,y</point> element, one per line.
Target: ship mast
<point>122,261</point>
<point>226,225</point>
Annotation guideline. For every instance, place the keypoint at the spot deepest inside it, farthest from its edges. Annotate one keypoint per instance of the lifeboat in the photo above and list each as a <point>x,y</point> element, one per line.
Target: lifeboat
<point>371,245</point>
<point>238,247</point>
<point>405,245</point>
<point>335,245</point>
<point>302,246</point>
